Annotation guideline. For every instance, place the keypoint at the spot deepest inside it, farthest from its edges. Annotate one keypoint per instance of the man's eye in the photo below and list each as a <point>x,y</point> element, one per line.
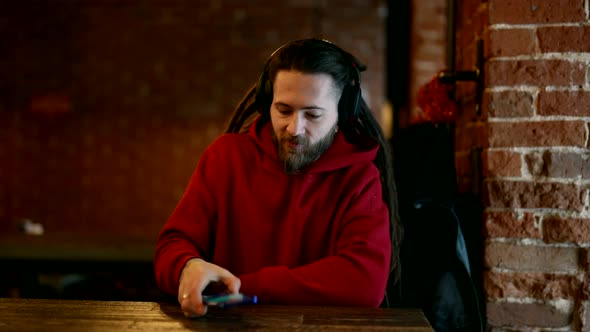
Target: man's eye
<point>313,116</point>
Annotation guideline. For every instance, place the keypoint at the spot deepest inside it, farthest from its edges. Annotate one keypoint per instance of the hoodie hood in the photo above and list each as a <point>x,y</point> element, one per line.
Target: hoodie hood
<point>340,154</point>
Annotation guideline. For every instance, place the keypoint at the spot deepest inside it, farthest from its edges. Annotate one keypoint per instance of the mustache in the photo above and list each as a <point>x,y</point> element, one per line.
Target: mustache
<point>295,139</point>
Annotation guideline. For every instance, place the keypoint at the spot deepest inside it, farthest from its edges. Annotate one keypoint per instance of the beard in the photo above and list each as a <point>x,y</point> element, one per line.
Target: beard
<point>294,159</point>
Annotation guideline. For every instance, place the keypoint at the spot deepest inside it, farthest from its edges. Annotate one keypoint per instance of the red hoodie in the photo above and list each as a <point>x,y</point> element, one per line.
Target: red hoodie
<point>319,237</point>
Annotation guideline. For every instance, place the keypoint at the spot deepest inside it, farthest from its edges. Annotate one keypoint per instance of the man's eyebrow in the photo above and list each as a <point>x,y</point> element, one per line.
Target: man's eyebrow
<point>309,107</point>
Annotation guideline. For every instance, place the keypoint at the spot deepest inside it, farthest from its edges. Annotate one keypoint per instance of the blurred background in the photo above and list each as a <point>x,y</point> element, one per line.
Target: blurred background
<point>106,106</point>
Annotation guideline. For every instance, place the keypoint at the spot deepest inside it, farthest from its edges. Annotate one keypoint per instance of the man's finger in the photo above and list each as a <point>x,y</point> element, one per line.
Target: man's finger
<point>192,307</point>
<point>232,283</point>
<point>183,296</point>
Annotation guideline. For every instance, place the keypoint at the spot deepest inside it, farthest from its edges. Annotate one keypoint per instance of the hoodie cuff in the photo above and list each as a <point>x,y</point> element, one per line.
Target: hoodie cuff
<point>249,285</point>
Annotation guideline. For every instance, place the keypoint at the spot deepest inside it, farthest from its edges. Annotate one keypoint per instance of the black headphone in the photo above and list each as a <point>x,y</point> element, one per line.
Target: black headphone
<point>348,105</point>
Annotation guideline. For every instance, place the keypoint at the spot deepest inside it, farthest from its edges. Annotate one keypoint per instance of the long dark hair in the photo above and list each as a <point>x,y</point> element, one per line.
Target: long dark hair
<point>354,116</point>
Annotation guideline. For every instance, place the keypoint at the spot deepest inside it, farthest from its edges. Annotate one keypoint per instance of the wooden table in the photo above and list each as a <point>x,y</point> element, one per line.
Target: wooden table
<point>87,316</point>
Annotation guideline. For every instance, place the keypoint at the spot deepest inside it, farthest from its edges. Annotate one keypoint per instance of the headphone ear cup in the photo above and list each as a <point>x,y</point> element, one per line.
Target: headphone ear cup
<point>344,110</point>
<point>263,94</point>
<point>348,105</point>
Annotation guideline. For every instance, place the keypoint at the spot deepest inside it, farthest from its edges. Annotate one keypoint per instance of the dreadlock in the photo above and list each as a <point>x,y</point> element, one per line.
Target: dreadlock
<point>319,56</point>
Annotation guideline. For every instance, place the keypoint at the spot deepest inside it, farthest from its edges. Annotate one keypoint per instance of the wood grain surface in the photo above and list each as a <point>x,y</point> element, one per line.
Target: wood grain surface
<point>86,316</point>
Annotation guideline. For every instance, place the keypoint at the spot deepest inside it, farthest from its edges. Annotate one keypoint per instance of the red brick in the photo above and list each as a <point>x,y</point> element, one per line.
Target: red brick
<point>547,11</point>
<point>469,59</point>
<point>535,72</point>
<point>481,20</point>
<point>469,28</point>
<point>511,225</point>
<point>585,264</point>
<point>511,42</point>
<point>566,230</point>
<point>531,258</point>
<point>468,8</point>
<point>523,194</point>
<point>481,134</point>
<point>502,314</point>
<point>463,166</point>
<point>531,285</point>
<point>465,94</point>
<point>570,103</point>
<point>426,16</point>
<point>482,107</point>
<point>463,39</point>
<point>465,56</point>
<point>585,316</point>
<point>537,134</point>
<point>536,163</point>
<point>471,135</point>
<point>465,185</point>
<point>508,104</point>
<point>558,164</point>
<point>501,163</point>
<point>564,39</point>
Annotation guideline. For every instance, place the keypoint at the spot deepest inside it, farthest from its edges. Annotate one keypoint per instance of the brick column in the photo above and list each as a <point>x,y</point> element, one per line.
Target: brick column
<point>534,134</point>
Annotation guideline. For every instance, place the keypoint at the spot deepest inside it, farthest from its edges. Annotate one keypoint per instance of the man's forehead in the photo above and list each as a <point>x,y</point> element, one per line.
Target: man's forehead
<point>301,82</point>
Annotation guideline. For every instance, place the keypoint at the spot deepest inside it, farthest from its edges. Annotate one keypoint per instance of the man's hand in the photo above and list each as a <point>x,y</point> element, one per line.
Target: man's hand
<point>195,276</point>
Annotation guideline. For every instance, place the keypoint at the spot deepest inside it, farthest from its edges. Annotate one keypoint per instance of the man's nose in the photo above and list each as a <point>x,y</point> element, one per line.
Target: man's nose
<point>296,125</point>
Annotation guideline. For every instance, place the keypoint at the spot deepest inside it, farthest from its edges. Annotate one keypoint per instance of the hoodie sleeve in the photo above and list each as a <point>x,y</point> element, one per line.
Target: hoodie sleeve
<point>355,276</point>
<point>188,232</point>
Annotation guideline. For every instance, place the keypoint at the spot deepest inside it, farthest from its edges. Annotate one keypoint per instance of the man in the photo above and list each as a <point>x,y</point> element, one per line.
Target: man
<point>295,206</point>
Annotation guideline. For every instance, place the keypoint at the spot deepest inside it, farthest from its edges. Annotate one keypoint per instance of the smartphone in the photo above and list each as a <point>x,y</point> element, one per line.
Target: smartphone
<point>229,300</point>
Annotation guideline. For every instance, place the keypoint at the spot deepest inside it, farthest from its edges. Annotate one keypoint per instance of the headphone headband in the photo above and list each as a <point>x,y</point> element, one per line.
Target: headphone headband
<point>348,105</point>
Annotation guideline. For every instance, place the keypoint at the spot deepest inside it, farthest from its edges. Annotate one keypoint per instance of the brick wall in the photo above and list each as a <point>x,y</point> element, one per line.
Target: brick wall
<point>534,134</point>
<point>106,106</point>
<point>427,52</point>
